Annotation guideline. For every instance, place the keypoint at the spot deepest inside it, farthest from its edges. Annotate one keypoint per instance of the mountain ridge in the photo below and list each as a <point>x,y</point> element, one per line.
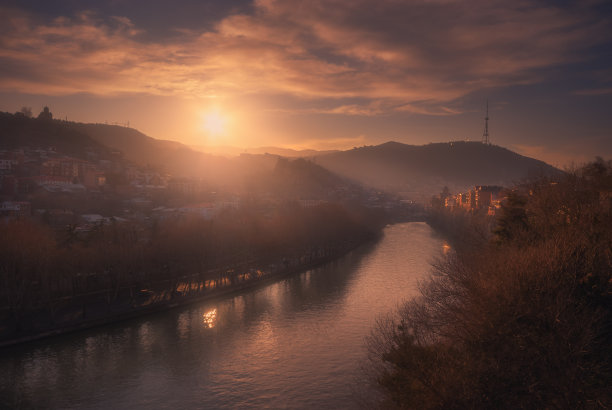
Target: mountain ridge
<point>397,167</point>
<point>418,171</point>
<point>249,173</point>
<point>272,150</point>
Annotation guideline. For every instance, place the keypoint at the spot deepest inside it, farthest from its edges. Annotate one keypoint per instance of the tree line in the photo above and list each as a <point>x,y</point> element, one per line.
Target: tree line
<point>44,271</point>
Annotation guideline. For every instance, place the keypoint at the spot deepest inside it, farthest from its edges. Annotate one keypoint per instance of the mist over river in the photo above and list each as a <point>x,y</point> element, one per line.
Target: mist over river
<point>296,343</point>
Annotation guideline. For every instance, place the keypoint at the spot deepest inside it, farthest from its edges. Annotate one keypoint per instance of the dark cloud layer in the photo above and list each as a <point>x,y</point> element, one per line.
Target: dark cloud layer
<point>158,19</point>
<point>399,53</point>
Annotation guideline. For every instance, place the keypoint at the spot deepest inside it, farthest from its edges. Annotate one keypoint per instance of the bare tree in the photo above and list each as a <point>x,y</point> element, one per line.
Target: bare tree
<point>522,322</point>
<point>26,111</point>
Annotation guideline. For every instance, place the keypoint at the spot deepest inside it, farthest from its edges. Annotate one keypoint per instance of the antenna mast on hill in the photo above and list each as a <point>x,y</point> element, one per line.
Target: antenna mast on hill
<point>485,134</point>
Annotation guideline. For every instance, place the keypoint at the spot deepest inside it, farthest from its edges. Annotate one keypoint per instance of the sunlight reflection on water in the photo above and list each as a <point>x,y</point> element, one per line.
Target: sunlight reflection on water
<point>296,343</point>
<point>210,318</point>
<point>446,248</point>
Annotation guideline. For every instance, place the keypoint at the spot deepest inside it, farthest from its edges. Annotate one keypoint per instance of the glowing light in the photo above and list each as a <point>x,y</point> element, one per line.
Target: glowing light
<point>446,248</point>
<point>210,318</point>
<point>214,123</point>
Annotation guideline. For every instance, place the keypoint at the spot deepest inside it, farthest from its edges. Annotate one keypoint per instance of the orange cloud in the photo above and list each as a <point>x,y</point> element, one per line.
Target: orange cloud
<point>393,54</point>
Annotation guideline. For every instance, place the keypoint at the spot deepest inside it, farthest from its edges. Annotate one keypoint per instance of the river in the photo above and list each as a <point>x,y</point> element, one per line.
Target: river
<point>296,343</point>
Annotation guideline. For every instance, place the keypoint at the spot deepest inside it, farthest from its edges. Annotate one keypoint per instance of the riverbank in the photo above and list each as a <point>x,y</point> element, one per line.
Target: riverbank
<point>52,282</point>
<point>286,344</point>
<point>516,303</point>
<point>97,309</point>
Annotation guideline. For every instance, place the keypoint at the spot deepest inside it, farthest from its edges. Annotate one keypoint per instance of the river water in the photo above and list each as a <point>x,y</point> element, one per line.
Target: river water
<point>296,343</point>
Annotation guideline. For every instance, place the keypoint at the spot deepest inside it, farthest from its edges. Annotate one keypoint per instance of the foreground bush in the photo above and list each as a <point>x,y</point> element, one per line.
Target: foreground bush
<point>521,321</point>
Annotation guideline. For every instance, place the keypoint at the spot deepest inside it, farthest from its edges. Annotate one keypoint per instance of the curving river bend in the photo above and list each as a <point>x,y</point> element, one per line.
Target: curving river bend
<point>296,343</point>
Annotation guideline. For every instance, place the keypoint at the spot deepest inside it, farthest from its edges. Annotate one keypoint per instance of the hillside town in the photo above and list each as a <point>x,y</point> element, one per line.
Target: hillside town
<point>101,185</point>
<point>481,198</point>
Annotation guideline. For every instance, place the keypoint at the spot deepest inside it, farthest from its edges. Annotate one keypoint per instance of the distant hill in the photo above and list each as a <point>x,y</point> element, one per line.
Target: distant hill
<point>255,174</point>
<point>424,170</point>
<point>263,173</point>
<point>172,156</point>
<point>17,131</point>
<point>414,171</point>
<point>298,178</point>
<point>283,152</point>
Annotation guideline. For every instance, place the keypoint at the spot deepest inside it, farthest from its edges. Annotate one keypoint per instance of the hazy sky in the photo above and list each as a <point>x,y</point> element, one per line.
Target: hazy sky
<point>320,74</point>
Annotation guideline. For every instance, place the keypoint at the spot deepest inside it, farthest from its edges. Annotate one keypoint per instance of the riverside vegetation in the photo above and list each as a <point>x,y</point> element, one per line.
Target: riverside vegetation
<point>518,316</point>
<point>50,280</point>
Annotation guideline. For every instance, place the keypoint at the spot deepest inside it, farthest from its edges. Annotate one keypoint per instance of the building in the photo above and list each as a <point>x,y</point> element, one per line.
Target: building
<point>45,114</point>
<point>65,167</point>
<point>14,210</point>
<point>484,195</point>
<point>451,201</point>
<point>7,164</point>
<point>93,178</point>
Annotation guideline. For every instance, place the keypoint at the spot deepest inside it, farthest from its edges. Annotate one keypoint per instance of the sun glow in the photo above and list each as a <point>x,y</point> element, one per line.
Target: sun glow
<point>214,123</point>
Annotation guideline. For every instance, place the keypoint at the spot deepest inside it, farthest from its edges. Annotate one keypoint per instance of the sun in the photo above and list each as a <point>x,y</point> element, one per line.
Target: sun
<point>214,123</point>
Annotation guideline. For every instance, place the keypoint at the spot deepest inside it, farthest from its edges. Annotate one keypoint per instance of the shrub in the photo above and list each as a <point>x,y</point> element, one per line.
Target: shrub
<point>524,321</point>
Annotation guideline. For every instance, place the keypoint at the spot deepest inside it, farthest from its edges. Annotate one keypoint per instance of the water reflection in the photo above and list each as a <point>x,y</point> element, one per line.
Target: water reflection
<point>446,248</point>
<point>288,344</point>
<point>210,318</point>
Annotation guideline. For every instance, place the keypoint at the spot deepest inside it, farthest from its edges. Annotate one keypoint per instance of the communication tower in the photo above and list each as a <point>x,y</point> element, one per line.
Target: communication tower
<point>485,134</point>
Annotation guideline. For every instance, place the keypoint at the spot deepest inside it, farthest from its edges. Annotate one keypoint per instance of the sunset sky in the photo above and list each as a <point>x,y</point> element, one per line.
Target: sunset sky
<point>320,74</point>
